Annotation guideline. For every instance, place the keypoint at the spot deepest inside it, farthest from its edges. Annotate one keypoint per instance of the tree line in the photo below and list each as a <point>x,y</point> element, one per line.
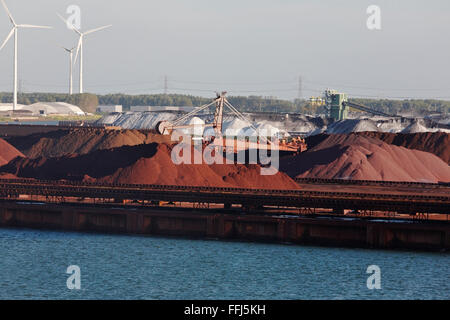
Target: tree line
<point>89,102</point>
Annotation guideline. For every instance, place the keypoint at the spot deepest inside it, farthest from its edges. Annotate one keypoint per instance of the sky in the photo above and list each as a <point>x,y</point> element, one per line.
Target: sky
<point>247,47</point>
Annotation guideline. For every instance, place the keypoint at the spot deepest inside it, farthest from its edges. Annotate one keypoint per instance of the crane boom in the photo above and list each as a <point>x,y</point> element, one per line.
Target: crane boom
<point>366,109</point>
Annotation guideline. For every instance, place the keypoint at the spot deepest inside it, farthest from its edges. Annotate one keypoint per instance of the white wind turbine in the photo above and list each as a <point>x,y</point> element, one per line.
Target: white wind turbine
<point>80,44</point>
<point>70,51</point>
<point>14,31</point>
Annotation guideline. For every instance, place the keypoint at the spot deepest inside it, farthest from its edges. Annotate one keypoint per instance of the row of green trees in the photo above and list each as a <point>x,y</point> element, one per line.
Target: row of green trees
<point>151,100</point>
<point>404,106</point>
<point>272,104</point>
<point>89,102</point>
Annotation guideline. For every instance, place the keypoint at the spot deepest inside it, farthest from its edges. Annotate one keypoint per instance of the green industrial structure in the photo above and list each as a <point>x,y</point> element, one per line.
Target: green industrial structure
<point>338,105</point>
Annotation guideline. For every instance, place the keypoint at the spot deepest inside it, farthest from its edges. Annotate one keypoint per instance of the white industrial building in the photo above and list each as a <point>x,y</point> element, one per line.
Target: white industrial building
<point>52,108</point>
<point>160,108</point>
<point>109,109</point>
<point>9,106</point>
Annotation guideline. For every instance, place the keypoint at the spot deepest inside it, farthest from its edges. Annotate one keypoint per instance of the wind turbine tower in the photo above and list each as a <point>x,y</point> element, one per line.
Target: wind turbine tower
<point>70,51</point>
<point>14,31</point>
<point>80,45</point>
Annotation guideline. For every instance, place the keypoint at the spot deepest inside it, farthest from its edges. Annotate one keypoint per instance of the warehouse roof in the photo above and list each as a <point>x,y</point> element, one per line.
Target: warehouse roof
<point>53,108</point>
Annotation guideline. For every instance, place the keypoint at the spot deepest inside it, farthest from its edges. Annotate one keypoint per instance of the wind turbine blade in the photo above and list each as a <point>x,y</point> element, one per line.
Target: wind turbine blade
<point>97,29</point>
<point>9,13</point>
<point>33,26</point>
<point>70,26</point>
<point>78,49</point>
<point>7,38</point>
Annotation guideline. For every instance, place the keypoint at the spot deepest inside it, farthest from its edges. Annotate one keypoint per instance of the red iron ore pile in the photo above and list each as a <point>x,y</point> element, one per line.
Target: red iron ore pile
<point>8,152</point>
<point>144,164</point>
<point>360,157</point>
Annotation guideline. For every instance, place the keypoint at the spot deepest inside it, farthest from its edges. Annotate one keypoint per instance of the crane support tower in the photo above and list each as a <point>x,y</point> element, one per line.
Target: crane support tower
<point>338,105</point>
<point>218,115</point>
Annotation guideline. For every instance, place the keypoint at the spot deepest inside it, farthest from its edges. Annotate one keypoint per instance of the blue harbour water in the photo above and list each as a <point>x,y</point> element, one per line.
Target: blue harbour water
<point>33,266</point>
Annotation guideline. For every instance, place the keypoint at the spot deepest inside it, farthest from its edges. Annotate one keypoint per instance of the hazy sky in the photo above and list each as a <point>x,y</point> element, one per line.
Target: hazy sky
<point>247,47</point>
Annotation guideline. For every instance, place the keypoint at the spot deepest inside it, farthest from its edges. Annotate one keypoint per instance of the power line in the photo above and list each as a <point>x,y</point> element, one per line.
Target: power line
<point>374,88</point>
<point>289,86</point>
<point>397,97</point>
<point>233,82</point>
